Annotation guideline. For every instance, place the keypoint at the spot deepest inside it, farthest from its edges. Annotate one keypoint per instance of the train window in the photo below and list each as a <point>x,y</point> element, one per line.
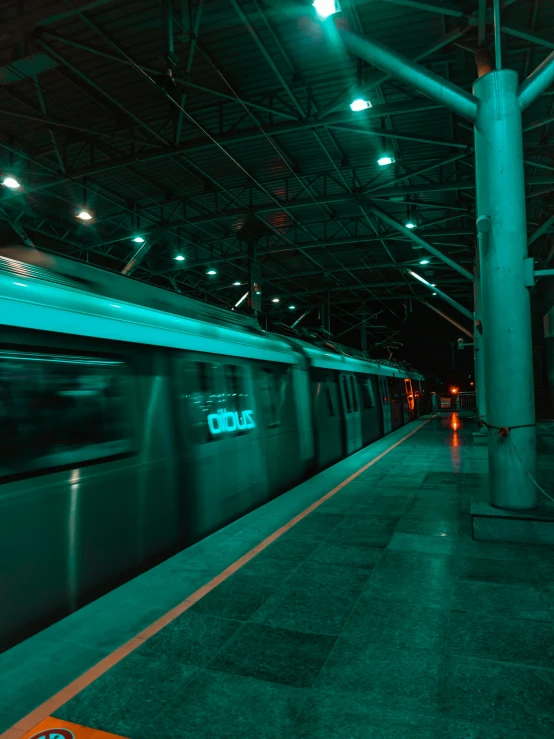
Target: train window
<point>393,388</point>
<point>368,397</point>
<point>346,393</point>
<point>269,396</point>
<point>61,410</point>
<point>383,384</point>
<point>353,393</point>
<point>273,384</point>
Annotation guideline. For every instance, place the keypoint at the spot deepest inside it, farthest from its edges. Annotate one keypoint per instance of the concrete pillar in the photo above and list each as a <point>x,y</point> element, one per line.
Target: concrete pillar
<point>505,300</point>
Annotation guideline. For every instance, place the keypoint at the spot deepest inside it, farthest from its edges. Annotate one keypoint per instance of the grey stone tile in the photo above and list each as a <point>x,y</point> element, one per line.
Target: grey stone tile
<point>191,639</point>
<point>383,625</point>
<point>515,601</point>
<point>128,696</point>
<point>277,655</point>
<point>441,544</point>
<point>503,639</point>
<point>499,695</point>
<point>238,597</point>
<point>408,679</point>
<point>218,705</point>
<point>495,571</point>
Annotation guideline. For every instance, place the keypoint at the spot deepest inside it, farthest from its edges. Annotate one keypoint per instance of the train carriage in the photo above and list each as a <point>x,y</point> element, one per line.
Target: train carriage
<point>135,422</point>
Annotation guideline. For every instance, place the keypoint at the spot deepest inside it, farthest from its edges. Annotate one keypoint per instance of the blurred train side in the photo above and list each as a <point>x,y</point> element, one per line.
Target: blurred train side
<point>130,431</point>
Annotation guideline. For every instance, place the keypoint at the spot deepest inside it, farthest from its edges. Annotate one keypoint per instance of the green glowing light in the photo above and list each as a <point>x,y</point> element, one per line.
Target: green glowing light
<point>84,215</point>
<point>385,161</point>
<point>179,258</point>
<point>11,182</point>
<point>138,240</point>
<point>359,104</point>
<point>325,8</point>
<point>424,261</point>
<point>211,272</point>
<point>410,224</point>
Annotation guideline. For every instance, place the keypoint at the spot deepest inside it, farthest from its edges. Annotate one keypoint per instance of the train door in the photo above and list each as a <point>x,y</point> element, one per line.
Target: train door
<point>396,402</point>
<point>385,404</point>
<point>409,401</point>
<point>351,413</point>
<point>369,409</point>
<point>221,425</point>
<point>327,415</point>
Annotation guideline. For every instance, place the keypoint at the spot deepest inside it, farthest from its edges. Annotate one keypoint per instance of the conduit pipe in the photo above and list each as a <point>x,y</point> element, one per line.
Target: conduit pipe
<point>418,240</point>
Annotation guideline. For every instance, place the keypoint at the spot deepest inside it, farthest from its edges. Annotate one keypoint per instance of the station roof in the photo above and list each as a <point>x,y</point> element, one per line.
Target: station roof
<point>204,127</point>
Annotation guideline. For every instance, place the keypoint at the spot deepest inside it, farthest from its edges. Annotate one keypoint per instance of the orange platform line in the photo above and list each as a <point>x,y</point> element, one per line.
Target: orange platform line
<point>28,723</point>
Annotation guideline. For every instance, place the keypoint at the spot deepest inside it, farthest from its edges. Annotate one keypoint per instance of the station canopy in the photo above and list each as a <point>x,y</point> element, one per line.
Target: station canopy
<point>179,142</point>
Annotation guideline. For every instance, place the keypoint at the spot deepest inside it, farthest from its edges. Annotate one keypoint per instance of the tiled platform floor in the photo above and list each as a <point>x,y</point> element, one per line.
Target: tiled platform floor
<point>376,617</point>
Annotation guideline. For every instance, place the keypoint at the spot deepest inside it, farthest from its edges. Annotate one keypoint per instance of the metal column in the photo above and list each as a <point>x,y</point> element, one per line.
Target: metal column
<point>505,300</point>
<point>478,353</point>
<point>495,109</point>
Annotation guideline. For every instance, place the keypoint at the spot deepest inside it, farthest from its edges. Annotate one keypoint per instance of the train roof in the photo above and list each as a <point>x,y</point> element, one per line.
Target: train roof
<point>55,294</point>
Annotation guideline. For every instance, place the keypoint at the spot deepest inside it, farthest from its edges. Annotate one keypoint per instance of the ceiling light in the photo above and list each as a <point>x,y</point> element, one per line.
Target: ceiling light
<point>433,284</point>
<point>11,182</point>
<point>211,272</point>
<point>84,215</point>
<point>424,261</point>
<point>274,300</point>
<point>359,104</point>
<point>236,283</point>
<point>179,258</point>
<point>410,224</point>
<point>292,307</point>
<point>325,8</point>
<point>385,160</point>
<point>433,293</point>
<point>138,240</point>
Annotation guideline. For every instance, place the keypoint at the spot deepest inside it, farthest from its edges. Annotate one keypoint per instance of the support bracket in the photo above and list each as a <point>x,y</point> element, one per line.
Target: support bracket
<point>529,271</point>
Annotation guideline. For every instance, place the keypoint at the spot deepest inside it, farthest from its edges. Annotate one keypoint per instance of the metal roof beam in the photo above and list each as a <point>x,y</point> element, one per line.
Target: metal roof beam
<point>428,83</point>
<point>341,100</point>
<point>278,129</point>
<point>420,242</point>
<point>185,82</point>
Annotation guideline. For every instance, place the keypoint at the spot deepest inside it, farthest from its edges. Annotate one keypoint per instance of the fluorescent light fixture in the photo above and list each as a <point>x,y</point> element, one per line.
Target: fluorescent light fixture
<point>418,277</point>
<point>241,299</point>
<point>325,8</point>
<point>179,258</point>
<point>84,215</point>
<point>211,272</point>
<point>292,307</point>
<point>138,240</point>
<point>275,300</point>
<point>11,182</point>
<point>410,224</point>
<point>236,283</point>
<point>359,104</point>
<point>385,160</point>
<point>424,261</point>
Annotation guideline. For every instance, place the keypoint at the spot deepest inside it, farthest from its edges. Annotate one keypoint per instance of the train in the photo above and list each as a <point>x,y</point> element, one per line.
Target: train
<point>136,421</point>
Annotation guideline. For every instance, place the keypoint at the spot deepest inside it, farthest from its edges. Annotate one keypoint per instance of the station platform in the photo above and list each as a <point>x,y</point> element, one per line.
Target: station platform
<point>357,605</point>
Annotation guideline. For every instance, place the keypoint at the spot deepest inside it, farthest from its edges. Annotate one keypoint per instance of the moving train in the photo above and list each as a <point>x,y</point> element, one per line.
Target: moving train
<point>136,421</point>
